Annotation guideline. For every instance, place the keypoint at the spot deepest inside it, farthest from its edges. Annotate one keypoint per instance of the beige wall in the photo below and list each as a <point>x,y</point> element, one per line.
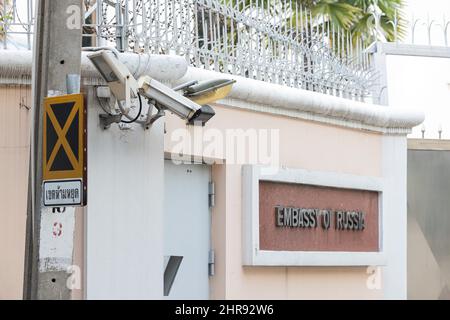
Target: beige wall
<point>14,155</point>
<point>282,282</point>
<point>305,145</point>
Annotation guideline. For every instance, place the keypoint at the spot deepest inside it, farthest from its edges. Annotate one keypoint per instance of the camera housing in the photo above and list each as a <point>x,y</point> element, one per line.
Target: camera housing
<point>169,99</point>
<point>125,87</point>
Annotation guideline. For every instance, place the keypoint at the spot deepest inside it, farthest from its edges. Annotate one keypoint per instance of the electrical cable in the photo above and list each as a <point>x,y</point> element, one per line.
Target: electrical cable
<point>139,113</point>
<point>123,121</point>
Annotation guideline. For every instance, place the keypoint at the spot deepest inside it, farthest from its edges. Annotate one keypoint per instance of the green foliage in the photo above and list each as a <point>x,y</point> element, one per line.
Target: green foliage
<point>354,16</point>
<point>338,13</point>
<point>5,17</point>
<point>357,16</point>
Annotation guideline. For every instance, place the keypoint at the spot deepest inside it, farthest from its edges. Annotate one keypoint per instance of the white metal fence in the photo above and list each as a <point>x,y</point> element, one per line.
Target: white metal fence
<point>16,20</point>
<point>276,41</point>
<point>428,31</point>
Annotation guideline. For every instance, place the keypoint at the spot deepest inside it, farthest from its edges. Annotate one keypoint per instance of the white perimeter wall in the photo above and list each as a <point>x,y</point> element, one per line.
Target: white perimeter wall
<point>124,239</point>
<point>424,83</point>
<point>394,224</point>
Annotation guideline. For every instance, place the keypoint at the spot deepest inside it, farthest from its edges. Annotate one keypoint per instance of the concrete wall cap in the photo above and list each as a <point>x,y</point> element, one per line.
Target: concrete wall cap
<point>322,105</point>
<point>17,63</point>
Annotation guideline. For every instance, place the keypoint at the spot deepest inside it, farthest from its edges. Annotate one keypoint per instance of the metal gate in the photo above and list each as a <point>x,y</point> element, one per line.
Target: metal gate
<point>186,231</point>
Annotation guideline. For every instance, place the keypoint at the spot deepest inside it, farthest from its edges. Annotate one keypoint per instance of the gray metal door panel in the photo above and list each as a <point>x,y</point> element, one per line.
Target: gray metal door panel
<point>187,228</point>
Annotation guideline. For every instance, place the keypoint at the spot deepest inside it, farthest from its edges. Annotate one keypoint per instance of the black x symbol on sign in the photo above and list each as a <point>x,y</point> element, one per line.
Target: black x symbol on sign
<point>63,139</point>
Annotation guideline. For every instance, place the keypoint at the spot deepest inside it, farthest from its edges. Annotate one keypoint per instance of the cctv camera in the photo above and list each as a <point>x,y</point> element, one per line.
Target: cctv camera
<point>124,87</point>
<point>121,82</point>
<point>171,100</point>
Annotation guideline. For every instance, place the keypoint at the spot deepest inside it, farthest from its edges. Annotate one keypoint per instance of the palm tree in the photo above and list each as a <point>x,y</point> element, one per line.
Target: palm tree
<point>372,19</point>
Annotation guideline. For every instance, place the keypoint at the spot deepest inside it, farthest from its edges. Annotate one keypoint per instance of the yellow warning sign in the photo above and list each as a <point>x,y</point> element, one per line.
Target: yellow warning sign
<point>64,138</point>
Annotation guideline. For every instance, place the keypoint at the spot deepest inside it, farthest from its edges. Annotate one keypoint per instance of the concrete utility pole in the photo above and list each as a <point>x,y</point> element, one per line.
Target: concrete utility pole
<point>57,53</point>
